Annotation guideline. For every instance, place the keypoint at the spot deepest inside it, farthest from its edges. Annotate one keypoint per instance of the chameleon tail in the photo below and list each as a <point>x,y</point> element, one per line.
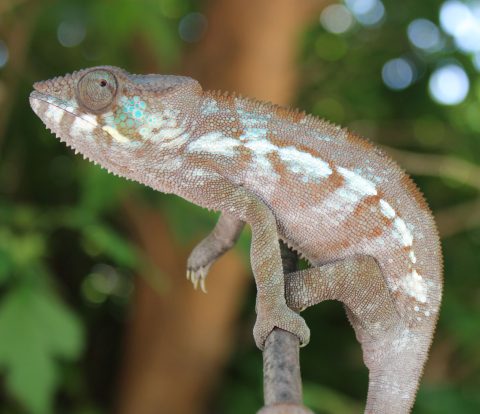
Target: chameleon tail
<point>393,352</point>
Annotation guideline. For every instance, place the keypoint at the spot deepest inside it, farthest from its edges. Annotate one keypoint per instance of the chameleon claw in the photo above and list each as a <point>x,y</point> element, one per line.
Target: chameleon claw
<point>202,285</point>
<point>188,274</point>
<point>195,282</point>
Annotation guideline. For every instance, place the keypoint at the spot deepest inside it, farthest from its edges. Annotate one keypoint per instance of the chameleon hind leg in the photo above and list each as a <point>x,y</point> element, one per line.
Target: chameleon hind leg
<point>222,238</point>
<point>393,352</point>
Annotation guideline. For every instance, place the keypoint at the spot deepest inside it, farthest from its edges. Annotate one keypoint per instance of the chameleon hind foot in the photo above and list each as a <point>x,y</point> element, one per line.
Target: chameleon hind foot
<point>279,316</point>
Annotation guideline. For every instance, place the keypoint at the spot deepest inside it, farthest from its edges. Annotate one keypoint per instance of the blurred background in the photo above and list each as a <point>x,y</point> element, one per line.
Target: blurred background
<point>96,315</point>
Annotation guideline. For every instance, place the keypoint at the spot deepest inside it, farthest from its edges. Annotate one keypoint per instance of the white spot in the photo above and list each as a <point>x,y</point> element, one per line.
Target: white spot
<point>254,133</point>
<point>260,149</point>
<point>215,143</point>
<point>92,119</point>
<point>209,107</point>
<point>401,233</point>
<point>169,133</point>
<point>416,308</point>
<point>427,313</point>
<point>349,194</point>
<point>357,182</point>
<point>412,256</point>
<point>387,209</point>
<point>81,128</point>
<point>415,286</point>
<point>72,107</point>
<point>304,163</point>
<point>173,140</point>
<point>117,136</point>
<point>54,114</point>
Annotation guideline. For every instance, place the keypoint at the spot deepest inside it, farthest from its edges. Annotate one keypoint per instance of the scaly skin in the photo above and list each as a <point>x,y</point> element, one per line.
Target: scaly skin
<point>333,197</point>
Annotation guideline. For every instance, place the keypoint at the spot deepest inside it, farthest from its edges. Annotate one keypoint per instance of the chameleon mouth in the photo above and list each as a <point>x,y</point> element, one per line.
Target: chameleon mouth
<point>52,110</point>
<point>77,130</point>
<point>41,102</point>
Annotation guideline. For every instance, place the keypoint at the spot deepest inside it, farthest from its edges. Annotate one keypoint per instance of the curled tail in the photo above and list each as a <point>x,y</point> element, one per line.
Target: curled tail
<point>394,350</point>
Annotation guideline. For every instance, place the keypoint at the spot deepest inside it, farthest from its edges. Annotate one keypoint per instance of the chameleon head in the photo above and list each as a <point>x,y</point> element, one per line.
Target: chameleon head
<point>133,125</point>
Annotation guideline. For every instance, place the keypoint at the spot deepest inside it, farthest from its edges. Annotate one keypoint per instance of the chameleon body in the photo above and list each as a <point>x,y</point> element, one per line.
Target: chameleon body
<point>330,195</point>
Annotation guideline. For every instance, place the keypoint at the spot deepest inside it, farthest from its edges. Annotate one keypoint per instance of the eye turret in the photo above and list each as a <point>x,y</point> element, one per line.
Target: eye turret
<point>96,90</point>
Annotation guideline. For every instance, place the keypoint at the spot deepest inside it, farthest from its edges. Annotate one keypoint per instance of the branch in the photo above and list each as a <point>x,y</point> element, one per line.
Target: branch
<point>282,382</point>
<point>453,220</point>
<point>438,166</point>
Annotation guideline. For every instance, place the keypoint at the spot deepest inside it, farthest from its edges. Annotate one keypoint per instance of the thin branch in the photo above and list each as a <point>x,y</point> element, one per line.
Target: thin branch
<point>438,166</point>
<point>453,220</point>
<point>282,382</point>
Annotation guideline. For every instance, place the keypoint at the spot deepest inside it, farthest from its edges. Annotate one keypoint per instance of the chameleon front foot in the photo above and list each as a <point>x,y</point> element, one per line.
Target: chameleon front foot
<point>202,257</point>
<point>280,316</point>
<point>198,277</point>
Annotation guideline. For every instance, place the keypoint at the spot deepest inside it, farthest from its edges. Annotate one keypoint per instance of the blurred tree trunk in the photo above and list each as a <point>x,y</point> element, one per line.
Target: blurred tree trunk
<point>16,29</point>
<point>178,342</point>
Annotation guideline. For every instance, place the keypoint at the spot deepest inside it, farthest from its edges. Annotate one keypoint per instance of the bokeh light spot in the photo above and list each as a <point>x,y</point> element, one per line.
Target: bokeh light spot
<point>71,33</point>
<point>336,18</point>
<point>469,39</point>
<point>3,54</point>
<point>192,27</point>
<point>424,34</point>
<point>449,85</point>
<point>367,12</point>
<point>398,74</point>
<point>462,21</point>
<point>454,16</point>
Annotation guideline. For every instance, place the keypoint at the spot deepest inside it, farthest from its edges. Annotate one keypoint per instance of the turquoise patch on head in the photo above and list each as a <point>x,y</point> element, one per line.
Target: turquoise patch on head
<point>137,113</point>
<point>129,122</point>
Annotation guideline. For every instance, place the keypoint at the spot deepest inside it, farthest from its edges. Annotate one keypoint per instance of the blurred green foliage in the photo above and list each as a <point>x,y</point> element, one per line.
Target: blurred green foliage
<point>66,265</point>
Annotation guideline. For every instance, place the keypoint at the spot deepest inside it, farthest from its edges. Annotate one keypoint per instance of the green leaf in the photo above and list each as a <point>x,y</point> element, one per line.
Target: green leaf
<point>36,329</point>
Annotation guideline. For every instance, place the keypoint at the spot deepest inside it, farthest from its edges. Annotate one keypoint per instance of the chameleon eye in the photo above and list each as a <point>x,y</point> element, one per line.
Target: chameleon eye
<point>96,90</point>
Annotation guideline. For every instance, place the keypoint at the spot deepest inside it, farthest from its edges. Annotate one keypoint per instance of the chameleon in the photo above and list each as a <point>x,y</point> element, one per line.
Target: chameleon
<point>330,195</point>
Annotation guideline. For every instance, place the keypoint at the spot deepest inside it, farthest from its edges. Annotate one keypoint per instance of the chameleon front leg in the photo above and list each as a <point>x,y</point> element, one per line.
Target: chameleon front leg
<point>266,262</point>
<point>222,238</point>
<point>393,352</point>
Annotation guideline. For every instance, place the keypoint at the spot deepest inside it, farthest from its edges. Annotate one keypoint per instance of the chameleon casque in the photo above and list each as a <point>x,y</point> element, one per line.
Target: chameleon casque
<point>333,197</point>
